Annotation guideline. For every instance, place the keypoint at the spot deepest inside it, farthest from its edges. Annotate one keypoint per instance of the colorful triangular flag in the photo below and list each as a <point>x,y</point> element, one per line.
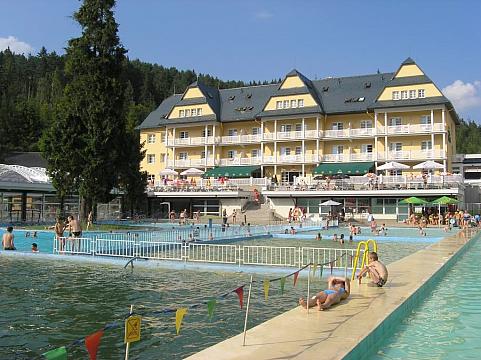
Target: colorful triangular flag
<point>92,343</point>
<point>179,315</point>
<point>267,285</point>
<point>283,283</point>
<point>211,306</point>
<point>240,293</point>
<point>56,354</point>
<point>296,275</point>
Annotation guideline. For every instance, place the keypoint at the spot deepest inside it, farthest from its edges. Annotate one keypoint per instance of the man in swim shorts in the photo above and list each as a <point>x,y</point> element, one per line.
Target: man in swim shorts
<point>376,269</point>
<point>338,288</point>
<point>7,240</point>
<point>76,230</point>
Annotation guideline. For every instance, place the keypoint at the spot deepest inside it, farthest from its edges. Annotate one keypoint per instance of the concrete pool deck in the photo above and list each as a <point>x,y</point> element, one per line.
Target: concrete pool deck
<point>335,334</point>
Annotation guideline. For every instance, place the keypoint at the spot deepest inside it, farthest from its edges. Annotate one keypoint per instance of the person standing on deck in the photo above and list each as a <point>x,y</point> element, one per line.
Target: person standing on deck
<point>74,227</point>
<point>59,228</point>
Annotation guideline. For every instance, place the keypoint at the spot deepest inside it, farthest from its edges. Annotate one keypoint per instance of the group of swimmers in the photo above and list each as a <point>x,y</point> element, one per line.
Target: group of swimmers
<point>339,288</point>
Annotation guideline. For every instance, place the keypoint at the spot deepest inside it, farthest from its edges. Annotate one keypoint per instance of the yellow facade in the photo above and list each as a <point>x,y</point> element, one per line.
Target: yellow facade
<point>192,93</point>
<point>430,90</point>
<point>206,110</point>
<point>409,70</point>
<point>308,101</point>
<point>292,82</point>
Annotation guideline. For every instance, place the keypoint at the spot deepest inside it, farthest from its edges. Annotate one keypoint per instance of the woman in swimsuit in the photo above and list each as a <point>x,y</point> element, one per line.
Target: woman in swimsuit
<point>338,288</point>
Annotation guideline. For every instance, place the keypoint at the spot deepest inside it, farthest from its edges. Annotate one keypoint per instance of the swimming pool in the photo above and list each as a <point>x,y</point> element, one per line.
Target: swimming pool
<point>46,304</point>
<point>448,323</point>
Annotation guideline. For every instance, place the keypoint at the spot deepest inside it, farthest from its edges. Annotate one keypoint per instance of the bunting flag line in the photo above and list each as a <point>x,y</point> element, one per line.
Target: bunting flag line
<point>56,354</point>
<point>296,275</point>
<point>240,293</point>
<point>283,283</point>
<point>266,288</point>
<point>179,315</point>
<point>210,307</point>
<point>92,343</point>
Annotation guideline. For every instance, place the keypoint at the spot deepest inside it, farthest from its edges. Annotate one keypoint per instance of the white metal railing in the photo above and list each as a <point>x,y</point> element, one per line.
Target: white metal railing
<point>362,132</point>
<point>72,245</point>
<point>160,250</point>
<point>116,248</point>
<point>412,155</point>
<point>190,163</point>
<point>240,139</point>
<point>241,161</point>
<point>191,141</point>
<point>226,254</point>
<point>343,257</point>
<point>363,156</point>
<point>270,255</point>
<point>335,157</point>
<point>336,133</point>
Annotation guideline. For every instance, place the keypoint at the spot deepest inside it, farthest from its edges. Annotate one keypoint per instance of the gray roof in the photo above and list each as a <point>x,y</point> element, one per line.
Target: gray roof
<point>343,95</point>
<point>28,159</point>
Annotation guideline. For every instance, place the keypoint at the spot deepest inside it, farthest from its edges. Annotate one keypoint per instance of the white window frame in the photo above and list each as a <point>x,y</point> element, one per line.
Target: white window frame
<point>421,93</point>
<point>183,134</point>
<point>366,124</point>
<point>183,155</point>
<point>395,121</point>
<point>231,154</point>
<point>395,146</point>
<point>298,150</point>
<point>151,138</point>
<point>366,148</point>
<point>286,128</point>
<point>193,112</point>
<point>256,131</point>
<point>199,111</point>
<point>181,113</point>
<point>187,112</point>
<point>286,104</point>
<point>232,132</point>
<point>396,95</point>
<point>425,120</point>
<point>285,151</point>
<point>279,104</point>
<point>255,153</point>
<point>404,95</point>
<point>300,103</point>
<point>338,149</point>
<point>412,94</point>
<point>426,145</point>
<point>298,127</point>
<point>150,177</point>
<point>293,104</point>
<point>209,132</point>
<point>337,125</point>
<point>150,158</point>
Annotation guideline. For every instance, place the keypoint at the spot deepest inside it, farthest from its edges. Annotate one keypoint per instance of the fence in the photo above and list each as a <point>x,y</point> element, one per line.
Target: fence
<point>208,253</point>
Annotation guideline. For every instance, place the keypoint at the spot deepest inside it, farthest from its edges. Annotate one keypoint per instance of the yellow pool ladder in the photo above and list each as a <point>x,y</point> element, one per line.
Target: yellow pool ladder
<point>365,256</point>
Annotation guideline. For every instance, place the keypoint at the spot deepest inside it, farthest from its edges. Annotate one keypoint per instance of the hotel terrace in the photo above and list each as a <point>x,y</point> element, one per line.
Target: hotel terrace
<point>314,140</point>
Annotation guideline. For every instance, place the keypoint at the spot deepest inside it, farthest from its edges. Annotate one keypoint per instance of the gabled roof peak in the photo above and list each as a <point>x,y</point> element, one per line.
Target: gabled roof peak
<point>408,61</point>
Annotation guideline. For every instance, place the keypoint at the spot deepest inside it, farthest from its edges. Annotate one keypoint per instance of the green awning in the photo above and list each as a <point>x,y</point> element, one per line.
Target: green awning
<point>354,168</point>
<point>232,171</point>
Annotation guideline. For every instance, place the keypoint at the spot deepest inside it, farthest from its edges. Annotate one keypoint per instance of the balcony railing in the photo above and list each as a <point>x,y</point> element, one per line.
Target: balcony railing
<point>240,139</point>
<point>240,161</point>
<point>411,155</point>
<point>191,141</point>
<point>188,163</point>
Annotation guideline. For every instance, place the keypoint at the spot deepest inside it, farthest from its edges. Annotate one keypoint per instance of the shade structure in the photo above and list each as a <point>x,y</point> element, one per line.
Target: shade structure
<point>232,171</point>
<point>168,172</point>
<point>354,168</point>
<point>428,165</point>
<point>330,203</point>
<point>192,172</point>
<point>393,165</point>
<point>414,200</point>
<point>445,200</point>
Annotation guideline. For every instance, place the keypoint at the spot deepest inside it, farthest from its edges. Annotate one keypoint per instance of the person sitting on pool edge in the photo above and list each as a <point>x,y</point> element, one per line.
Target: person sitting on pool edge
<point>338,288</point>
<point>376,269</point>
<point>7,240</point>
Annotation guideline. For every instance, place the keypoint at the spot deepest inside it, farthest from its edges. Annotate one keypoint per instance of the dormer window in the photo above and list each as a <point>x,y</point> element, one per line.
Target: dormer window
<point>412,94</point>
<point>404,94</point>
<point>421,93</point>
<point>300,103</point>
<point>278,104</point>
<point>181,113</point>
<point>395,95</point>
<point>293,103</point>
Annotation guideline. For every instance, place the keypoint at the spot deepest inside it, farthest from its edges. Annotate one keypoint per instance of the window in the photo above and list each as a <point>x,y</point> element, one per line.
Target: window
<point>395,121</point>
<point>366,124</point>
<point>337,149</point>
<point>184,135</point>
<point>412,94</point>
<point>395,95</point>
<point>395,146</point>
<point>366,148</point>
<point>150,159</point>
<point>194,112</point>
<point>298,150</point>
<point>426,145</point>
<point>187,113</point>
<point>278,104</point>
<point>232,132</point>
<point>404,94</point>
<point>202,155</point>
<point>286,104</point>
<point>293,103</point>
<point>209,132</point>
<point>181,113</point>
<point>163,137</point>
<point>199,111</point>
<point>256,131</point>
<point>151,138</point>
<point>183,156</point>
<point>231,154</point>
<point>420,93</point>
<point>286,128</point>
<point>298,127</point>
<point>425,120</point>
<point>337,126</point>
<point>300,103</point>
<point>150,177</point>
<point>285,151</point>
<point>255,153</point>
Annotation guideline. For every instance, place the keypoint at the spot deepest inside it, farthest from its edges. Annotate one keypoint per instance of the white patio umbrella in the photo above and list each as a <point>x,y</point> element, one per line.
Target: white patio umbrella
<point>168,172</point>
<point>192,172</point>
<point>428,165</point>
<point>393,165</point>
<point>330,203</point>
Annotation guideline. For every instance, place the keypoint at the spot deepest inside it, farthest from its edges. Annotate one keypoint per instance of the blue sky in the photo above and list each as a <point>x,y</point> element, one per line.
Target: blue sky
<point>262,40</point>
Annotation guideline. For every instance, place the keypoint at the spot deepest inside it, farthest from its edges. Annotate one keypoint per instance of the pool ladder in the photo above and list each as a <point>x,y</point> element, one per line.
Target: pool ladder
<point>365,256</point>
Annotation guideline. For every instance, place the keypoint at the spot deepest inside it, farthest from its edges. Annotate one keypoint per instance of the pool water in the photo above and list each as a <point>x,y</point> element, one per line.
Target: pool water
<point>447,325</point>
<point>46,304</point>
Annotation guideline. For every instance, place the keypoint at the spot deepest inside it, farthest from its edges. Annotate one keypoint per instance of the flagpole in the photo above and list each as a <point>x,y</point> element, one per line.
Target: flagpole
<point>127,346</point>
<point>308,287</point>
<point>247,312</point>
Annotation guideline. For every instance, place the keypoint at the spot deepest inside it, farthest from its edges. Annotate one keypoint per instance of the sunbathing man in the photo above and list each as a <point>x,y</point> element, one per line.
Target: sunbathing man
<point>376,269</point>
<point>338,288</point>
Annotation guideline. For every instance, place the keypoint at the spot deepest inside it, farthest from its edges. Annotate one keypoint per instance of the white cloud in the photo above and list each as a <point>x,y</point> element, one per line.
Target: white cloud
<point>15,45</point>
<point>464,95</point>
<point>263,15</point>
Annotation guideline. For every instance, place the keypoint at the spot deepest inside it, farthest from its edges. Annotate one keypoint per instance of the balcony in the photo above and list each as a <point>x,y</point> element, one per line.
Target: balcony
<point>412,155</point>
<point>411,129</point>
<point>188,163</point>
<point>192,141</point>
<point>241,139</point>
<point>240,161</point>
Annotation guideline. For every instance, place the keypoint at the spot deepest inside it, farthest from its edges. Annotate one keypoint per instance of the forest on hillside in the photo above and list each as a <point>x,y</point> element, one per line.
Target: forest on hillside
<point>30,86</point>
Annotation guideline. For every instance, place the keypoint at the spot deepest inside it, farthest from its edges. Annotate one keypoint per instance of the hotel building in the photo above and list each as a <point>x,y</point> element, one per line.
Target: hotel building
<point>302,127</point>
